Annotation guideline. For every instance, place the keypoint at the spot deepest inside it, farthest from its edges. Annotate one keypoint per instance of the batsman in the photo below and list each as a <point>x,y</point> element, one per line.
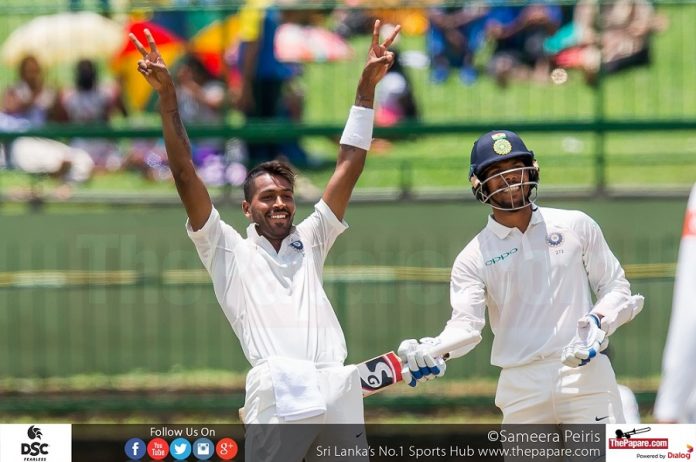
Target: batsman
<point>534,269</point>
<point>269,285</point>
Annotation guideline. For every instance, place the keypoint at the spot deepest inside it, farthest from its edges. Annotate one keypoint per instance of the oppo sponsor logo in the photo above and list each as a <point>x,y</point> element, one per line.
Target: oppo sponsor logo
<point>501,257</point>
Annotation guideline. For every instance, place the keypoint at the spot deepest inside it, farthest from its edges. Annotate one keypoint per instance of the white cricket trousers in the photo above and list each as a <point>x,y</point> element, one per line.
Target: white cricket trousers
<point>547,392</point>
<point>270,438</point>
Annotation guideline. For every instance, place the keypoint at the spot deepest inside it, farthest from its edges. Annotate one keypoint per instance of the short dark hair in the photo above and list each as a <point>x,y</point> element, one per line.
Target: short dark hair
<point>273,168</point>
<point>85,75</point>
<point>26,60</point>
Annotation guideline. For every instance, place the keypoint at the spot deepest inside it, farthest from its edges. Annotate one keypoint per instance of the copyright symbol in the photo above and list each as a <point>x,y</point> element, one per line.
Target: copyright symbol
<point>493,435</point>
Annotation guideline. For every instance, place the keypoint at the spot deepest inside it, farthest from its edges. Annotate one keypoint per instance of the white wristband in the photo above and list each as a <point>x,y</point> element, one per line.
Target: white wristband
<point>358,129</point>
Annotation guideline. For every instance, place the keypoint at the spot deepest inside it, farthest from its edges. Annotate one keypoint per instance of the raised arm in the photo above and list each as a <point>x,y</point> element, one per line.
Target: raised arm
<point>357,134</point>
<point>190,187</point>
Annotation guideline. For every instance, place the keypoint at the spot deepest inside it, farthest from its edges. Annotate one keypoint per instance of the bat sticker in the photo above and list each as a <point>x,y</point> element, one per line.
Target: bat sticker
<point>379,372</point>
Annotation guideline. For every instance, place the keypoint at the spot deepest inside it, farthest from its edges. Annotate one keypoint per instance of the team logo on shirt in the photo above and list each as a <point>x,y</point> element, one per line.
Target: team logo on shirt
<point>297,245</point>
<point>554,239</point>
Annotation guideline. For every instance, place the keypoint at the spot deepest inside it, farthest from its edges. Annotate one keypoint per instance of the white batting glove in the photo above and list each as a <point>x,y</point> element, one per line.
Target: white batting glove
<point>421,365</point>
<point>589,340</point>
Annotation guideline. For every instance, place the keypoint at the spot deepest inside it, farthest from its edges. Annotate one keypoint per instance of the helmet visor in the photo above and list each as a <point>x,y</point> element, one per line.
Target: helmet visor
<point>511,189</point>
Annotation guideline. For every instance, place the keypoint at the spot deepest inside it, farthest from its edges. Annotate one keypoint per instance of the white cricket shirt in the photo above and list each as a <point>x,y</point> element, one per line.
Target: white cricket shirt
<point>275,301</point>
<point>536,285</point>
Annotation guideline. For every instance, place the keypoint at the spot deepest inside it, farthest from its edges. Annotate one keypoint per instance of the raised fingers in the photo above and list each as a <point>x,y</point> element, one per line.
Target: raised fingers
<point>137,44</point>
<point>375,32</point>
<point>389,40</point>
<point>151,41</point>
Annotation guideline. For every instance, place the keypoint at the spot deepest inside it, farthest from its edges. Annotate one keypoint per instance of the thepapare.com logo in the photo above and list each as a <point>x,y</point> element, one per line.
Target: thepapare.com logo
<point>34,449</point>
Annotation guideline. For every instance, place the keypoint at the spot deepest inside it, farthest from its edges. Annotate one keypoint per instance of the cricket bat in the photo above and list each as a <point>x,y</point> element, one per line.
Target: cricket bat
<point>382,371</point>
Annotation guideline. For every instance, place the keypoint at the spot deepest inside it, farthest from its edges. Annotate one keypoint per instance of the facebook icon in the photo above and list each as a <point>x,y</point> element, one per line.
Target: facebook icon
<point>135,448</point>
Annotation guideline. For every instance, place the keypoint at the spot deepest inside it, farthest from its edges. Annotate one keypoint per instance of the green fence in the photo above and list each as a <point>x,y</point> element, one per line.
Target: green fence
<point>120,291</point>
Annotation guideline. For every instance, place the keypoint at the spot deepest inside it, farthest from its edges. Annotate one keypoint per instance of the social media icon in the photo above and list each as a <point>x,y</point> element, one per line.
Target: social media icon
<point>203,449</point>
<point>157,449</point>
<point>226,449</point>
<point>135,448</point>
<point>180,448</point>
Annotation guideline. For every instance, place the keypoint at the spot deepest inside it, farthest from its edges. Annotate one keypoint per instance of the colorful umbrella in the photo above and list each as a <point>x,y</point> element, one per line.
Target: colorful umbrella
<point>295,43</point>
<point>210,43</point>
<point>136,90</point>
<point>63,38</point>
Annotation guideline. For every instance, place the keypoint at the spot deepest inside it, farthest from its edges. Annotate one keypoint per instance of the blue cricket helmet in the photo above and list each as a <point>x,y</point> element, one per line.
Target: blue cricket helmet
<point>495,146</point>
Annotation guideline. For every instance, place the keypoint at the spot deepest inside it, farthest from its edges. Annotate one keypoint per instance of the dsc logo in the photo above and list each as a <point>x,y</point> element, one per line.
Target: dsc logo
<point>34,449</point>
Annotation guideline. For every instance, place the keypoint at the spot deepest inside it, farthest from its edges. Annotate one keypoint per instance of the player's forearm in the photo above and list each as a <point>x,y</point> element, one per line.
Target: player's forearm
<point>365,94</point>
<point>351,159</point>
<point>350,164</point>
<point>176,139</point>
<point>617,309</point>
<point>191,189</point>
<point>453,334</point>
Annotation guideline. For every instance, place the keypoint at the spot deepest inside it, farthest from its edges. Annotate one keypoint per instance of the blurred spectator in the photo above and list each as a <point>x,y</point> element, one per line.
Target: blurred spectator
<point>351,21</point>
<point>149,157</point>
<point>292,107</point>
<point>90,103</point>
<point>610,36</point>
<point>394,99</point>
<point>453,38</point>
<point>31,103</point>
<point>201,98</point>
<point>42,156</point>
<point>264,77</point>
<point>30,100</point>
<point>202,102</point>
<point>519,34</point>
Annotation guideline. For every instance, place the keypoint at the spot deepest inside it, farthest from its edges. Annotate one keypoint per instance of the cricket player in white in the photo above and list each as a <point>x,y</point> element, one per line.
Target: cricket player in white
<point>269,285</point>
<point>676,398</point>
<point>533,268</point>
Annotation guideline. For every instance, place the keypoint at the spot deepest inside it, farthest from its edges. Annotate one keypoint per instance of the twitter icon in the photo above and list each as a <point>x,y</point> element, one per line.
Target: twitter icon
<point>180,449</point>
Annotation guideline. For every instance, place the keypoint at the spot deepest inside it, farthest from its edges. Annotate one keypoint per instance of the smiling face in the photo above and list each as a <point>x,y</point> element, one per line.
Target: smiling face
<point>507,184</point>
<point>272,206</point>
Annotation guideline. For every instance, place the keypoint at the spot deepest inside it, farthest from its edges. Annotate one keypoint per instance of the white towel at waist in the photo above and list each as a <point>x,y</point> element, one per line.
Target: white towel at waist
<point>296,388</point>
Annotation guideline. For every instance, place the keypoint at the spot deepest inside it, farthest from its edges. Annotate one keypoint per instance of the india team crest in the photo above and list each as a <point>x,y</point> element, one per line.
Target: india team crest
<point>554,239</point>
<point>297,245</point>
<point>502,147</point>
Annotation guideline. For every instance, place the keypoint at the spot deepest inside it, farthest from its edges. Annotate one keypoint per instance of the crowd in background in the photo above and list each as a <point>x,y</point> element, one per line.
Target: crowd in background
<point>529,41</point>
<point>535,41</point>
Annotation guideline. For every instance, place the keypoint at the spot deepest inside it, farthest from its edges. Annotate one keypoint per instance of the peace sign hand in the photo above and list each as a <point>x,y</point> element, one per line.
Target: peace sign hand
<point>379,58</point>
<point>152,66</point>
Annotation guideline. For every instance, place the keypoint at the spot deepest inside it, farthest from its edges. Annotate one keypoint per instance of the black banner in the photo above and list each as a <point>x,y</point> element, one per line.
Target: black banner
<point>376,443</point>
